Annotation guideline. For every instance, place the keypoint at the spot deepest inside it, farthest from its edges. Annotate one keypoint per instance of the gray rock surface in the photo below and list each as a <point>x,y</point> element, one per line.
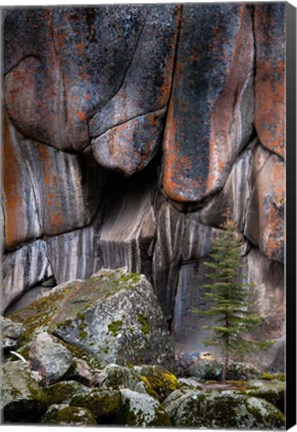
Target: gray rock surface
<point>23,269</point>
<point>49,358</point>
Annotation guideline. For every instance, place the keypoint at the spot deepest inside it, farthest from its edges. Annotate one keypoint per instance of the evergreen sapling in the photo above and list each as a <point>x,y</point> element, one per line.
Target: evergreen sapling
<point>228,299</point>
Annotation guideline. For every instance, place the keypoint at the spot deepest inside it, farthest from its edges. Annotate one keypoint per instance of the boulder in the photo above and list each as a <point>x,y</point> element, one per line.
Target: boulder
<point>113,316</point>
<point>65,415</point>
<point>10,333</point>
<point>212,370</point>
<point>22,398</point>
<point>272,391</point>
<point>49,357</point>
<point>158,381</point>
<point>225,410</point>
<point>205,370</point>
<point>142,410</point>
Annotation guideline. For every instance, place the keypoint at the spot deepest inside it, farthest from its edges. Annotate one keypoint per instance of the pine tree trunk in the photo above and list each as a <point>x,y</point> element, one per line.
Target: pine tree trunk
<point>225,368</point>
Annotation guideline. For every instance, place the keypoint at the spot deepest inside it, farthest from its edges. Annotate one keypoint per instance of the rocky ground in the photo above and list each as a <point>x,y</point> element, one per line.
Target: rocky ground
<point>98,352</point>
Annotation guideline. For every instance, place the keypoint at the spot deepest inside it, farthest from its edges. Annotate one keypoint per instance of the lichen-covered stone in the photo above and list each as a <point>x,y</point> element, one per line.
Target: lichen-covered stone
<point>205,370</point>
<point>10,333</point>
<point>113,316</point>
<point>212,370</point>
<point>105,404</point>
<point>116,318</point>
<point>62,392</point>
<point>49,357</point>
<point>227,409</point>
<point>22,399</point>
<point>272,391</point>
<point>94,67</point>
<point>142,410</point>
<point>65,415</point>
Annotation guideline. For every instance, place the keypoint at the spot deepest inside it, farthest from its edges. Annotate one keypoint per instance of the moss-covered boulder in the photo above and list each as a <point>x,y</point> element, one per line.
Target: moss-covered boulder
<point>22,398</point>
<point>272,391</point>
<point>220,410</point>
<point>50,358</point>
<point>65,415</point>
<point>243,371</point>
<point>205,370</point>
<point>113,316</point>
<point>142,410</point>
<point>158,381</point>
<point>62,392</point>
<point>105,404</point>
<point>151,379</point>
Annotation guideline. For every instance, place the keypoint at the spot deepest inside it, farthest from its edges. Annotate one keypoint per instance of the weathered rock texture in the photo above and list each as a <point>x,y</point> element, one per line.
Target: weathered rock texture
<point>130,133</point>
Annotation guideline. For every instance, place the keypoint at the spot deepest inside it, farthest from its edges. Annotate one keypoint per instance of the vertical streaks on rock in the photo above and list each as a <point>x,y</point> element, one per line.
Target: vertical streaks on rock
<point>167,256</point>
<point>233,199</point>
<point>67,187</point>
<point>211,106</point>
<point>23,269</point>
<point>265,212</point>
<point>270,109</point>
<point>20,207</point>
<point>129,226</point>
<point>73,255</point>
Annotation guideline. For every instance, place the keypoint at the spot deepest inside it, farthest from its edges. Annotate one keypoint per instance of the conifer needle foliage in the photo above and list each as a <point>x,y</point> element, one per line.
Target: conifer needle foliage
<point>228,298</point>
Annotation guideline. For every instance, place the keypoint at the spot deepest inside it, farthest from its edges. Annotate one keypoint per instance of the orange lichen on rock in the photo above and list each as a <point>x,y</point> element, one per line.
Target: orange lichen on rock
<point>270,103</point>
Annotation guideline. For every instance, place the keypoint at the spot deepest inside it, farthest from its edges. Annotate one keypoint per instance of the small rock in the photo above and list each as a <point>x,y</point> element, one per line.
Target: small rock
<point>50,358</point>
<point>68,415</point>
<point>81,372</point>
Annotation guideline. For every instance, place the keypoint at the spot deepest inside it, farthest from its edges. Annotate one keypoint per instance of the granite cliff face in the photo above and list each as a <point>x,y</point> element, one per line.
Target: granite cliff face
<point>130,132</point>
